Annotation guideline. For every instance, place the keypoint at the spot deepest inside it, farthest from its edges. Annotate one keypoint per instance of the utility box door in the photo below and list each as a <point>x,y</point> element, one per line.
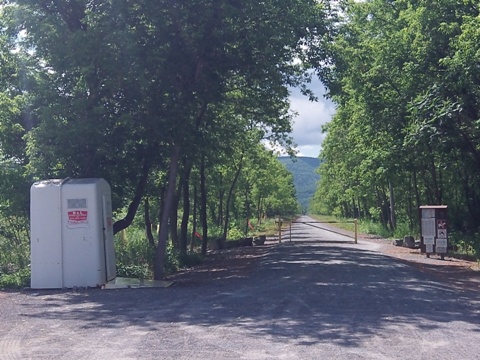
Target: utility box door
<point>46,242</point>
<point>80,232</point>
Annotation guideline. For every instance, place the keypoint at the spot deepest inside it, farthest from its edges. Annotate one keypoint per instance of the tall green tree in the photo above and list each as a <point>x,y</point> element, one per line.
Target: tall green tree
<point>394,70</point>
<point>126,88</point>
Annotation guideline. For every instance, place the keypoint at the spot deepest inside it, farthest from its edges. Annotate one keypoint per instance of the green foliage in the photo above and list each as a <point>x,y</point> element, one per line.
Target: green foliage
<point>172,260</point>
<point>403,229</point>
<point>234,233</point>
<point>367,226</point>
<point>134,254</point>
<point>406,129</point>
<point>176,261</point>
<point>14,250</point>
<point>16,279</point>
<point>465,244</point>
<point>266,226</point>
<point>133,91</point>
<point>133,271</point>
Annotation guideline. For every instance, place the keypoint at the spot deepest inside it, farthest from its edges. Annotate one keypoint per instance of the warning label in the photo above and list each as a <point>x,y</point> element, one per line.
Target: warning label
<point>78,217</point>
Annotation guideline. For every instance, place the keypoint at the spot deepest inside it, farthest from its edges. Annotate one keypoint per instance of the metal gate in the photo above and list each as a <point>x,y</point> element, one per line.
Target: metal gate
<point>312,223</point>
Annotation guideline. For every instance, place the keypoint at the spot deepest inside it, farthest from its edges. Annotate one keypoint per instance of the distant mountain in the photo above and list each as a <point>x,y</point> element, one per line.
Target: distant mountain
<point>305,176</point>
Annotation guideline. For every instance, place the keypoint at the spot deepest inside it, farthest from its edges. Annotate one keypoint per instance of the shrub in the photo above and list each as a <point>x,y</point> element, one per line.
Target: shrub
<point>18,279</point>
<point>133,271</point>
<point>402,230</point>
<point>134,254</point>
<point>373,228</point>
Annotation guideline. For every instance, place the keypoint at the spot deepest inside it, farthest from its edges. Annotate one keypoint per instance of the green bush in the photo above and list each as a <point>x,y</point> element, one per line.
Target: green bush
<point>404,229</point>
<point>14,251</point>
<point>14,255</point>
<point>134,254</point>
<point>234,233</point>
<point>373,228</point>
<point>172,262</point>
<point>18,279</point>
<point>133,271</point>
<point>468,244</point>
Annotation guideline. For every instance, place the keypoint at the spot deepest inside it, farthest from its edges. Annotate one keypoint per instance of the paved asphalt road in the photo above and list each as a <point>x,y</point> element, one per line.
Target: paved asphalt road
<point>318,297</point>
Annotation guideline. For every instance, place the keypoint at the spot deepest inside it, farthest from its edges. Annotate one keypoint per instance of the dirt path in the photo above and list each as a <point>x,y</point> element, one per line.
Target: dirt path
<point>318,297</point>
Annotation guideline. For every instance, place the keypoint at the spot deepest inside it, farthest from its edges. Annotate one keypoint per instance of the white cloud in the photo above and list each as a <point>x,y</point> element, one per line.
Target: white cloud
<point>307,127</point>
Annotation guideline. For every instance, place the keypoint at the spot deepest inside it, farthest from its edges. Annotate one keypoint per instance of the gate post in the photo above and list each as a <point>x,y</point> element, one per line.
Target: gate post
<point>279,223</point>
<point>356,230</point>
<point>290,231</point>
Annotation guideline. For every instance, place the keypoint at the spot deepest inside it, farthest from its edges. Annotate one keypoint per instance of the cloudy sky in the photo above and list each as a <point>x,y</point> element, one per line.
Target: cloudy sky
<point>307,132</point>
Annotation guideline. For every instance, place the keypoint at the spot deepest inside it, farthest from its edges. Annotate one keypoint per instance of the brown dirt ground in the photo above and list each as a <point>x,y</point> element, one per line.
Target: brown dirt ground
<point>239,262</point>
<point>222,264</point>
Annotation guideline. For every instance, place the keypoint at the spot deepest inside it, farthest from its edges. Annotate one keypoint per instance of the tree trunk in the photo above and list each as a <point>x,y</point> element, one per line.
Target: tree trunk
<point>355,208</point>
<point>140,189</point>
<point>173,223</point>
<point>203,206</point>
<point>174,216</point>
<point>221,195</point>
<point>186,208</point>
<point>259,209</point>
<point>194,227</point>
<point>393,217</point>
<point>411,212</point>
<point>433,172</point>
<point>386,209</point>
<point>229,198</point>
<point>380,204</point>
<point>148,224</point>
<point>415,186</point>
<point>168,202</point>
<point>247,207</point>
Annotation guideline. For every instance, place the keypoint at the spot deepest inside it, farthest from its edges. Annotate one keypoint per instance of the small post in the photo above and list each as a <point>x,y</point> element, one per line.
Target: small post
<point>279,223</point>
<point>356,230</point>
<point>290,231</point>
<point>280,232</point>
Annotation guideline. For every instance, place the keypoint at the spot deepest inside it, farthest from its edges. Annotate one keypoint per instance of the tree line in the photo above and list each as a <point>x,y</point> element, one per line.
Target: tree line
<point>169,101</point>
<point>405,76</point>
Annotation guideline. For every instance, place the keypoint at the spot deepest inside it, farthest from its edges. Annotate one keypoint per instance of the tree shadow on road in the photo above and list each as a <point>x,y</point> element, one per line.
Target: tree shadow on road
<point>308,293</point>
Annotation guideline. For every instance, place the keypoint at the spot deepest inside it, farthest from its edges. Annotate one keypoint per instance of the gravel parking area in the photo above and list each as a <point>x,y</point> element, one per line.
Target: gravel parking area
<point>318,297</point>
